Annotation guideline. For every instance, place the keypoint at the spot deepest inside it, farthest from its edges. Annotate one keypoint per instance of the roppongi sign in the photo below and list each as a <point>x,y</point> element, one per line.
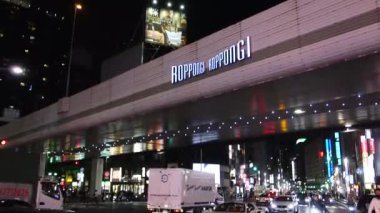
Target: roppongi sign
<point>232,54</point>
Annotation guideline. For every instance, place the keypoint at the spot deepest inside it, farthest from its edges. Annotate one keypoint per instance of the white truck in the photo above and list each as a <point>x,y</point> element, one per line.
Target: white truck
<point>180,190</point>
<point>47,194</point>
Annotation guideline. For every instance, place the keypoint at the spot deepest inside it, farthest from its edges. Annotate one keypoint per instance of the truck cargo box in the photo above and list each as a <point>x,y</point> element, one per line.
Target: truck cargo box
<point>179,188</point>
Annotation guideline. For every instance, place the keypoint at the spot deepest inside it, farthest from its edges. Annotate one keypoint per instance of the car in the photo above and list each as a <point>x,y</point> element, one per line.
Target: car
<point>327,199</point>
<point>126,196</point>
<point>20,206</point>
<point>16,206</point>
<point>284,204</point>
<point>263,200</point>
<point>303,199</point>
<point>237,207</point>
<point>219,199</point>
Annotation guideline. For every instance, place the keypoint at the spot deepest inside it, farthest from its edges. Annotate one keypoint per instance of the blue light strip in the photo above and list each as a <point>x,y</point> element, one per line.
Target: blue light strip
<point>338,153</point>
<point>328,157</point>
<point>331,160</point>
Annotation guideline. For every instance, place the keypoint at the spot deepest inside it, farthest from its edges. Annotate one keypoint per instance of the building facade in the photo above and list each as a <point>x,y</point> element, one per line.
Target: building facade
<point>299,66</point>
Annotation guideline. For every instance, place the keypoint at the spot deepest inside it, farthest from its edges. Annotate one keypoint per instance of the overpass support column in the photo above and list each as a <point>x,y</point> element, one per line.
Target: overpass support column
<point>42,165</point>
<point>96,176</point>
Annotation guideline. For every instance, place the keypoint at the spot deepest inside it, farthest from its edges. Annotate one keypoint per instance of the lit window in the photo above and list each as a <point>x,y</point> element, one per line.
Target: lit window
<point>33,29</point>
<point>32,37</point>
<point>26,51</point>
<point>44,79</point>
<point>11,107</point>
<point>63,64</point>
<point>22,84</point>
<point>1,35</point>
<point>42,97</point>
<point>1,79</point>
<point>45,65</point>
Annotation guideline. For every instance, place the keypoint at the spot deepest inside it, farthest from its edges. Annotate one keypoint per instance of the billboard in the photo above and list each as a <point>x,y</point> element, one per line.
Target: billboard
<point>165,27</point>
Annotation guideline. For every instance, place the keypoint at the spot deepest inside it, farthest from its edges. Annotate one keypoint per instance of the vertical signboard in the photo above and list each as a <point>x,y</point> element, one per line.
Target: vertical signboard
<point>329,157</point>
<point>116,175</point>
<point>338,151</point>
<point>367,145</point>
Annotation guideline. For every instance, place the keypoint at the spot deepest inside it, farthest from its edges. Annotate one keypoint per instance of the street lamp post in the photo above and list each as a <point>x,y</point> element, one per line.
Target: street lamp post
<point>76,8</point>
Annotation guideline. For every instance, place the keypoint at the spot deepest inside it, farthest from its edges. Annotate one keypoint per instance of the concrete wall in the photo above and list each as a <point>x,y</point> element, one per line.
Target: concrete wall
<point>122,62</point>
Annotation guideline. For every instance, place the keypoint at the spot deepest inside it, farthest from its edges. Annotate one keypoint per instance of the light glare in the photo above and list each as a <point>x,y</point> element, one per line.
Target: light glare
<point>17,70</point>
<point>78,6</point>
<point>298,111</point>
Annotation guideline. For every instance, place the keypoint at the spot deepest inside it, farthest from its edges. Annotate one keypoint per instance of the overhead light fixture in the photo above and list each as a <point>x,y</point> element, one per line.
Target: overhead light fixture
<point>299,111</point>
<point>348,125</point>
<point>300,140</point>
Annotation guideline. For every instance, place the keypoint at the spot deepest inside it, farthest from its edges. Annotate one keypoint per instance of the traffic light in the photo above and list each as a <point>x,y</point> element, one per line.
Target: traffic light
<point>321,154</point>
<point>3,142</point>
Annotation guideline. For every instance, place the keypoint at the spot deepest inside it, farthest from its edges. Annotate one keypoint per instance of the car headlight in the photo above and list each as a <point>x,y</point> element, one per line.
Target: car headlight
<point>351,208</point>
<point>273,206</point>
<point>290,206</point>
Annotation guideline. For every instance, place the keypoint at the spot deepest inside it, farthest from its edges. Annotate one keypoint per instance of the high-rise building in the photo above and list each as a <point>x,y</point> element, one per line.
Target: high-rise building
<point>35,38</point>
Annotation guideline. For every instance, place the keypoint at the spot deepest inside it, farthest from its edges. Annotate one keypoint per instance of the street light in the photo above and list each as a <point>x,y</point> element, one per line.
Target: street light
<point>15,69</point>
<point>76,8</point>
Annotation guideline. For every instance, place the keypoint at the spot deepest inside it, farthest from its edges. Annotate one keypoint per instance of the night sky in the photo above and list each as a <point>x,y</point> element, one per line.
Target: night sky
<point>108,27</point>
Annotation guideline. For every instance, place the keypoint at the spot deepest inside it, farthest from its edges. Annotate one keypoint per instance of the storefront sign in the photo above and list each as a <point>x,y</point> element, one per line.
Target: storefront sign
<point>235,53</point>
<point>116,174</point>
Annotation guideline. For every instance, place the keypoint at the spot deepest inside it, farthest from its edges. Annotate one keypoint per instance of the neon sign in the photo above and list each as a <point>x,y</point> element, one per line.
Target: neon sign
<point>232,54</point>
